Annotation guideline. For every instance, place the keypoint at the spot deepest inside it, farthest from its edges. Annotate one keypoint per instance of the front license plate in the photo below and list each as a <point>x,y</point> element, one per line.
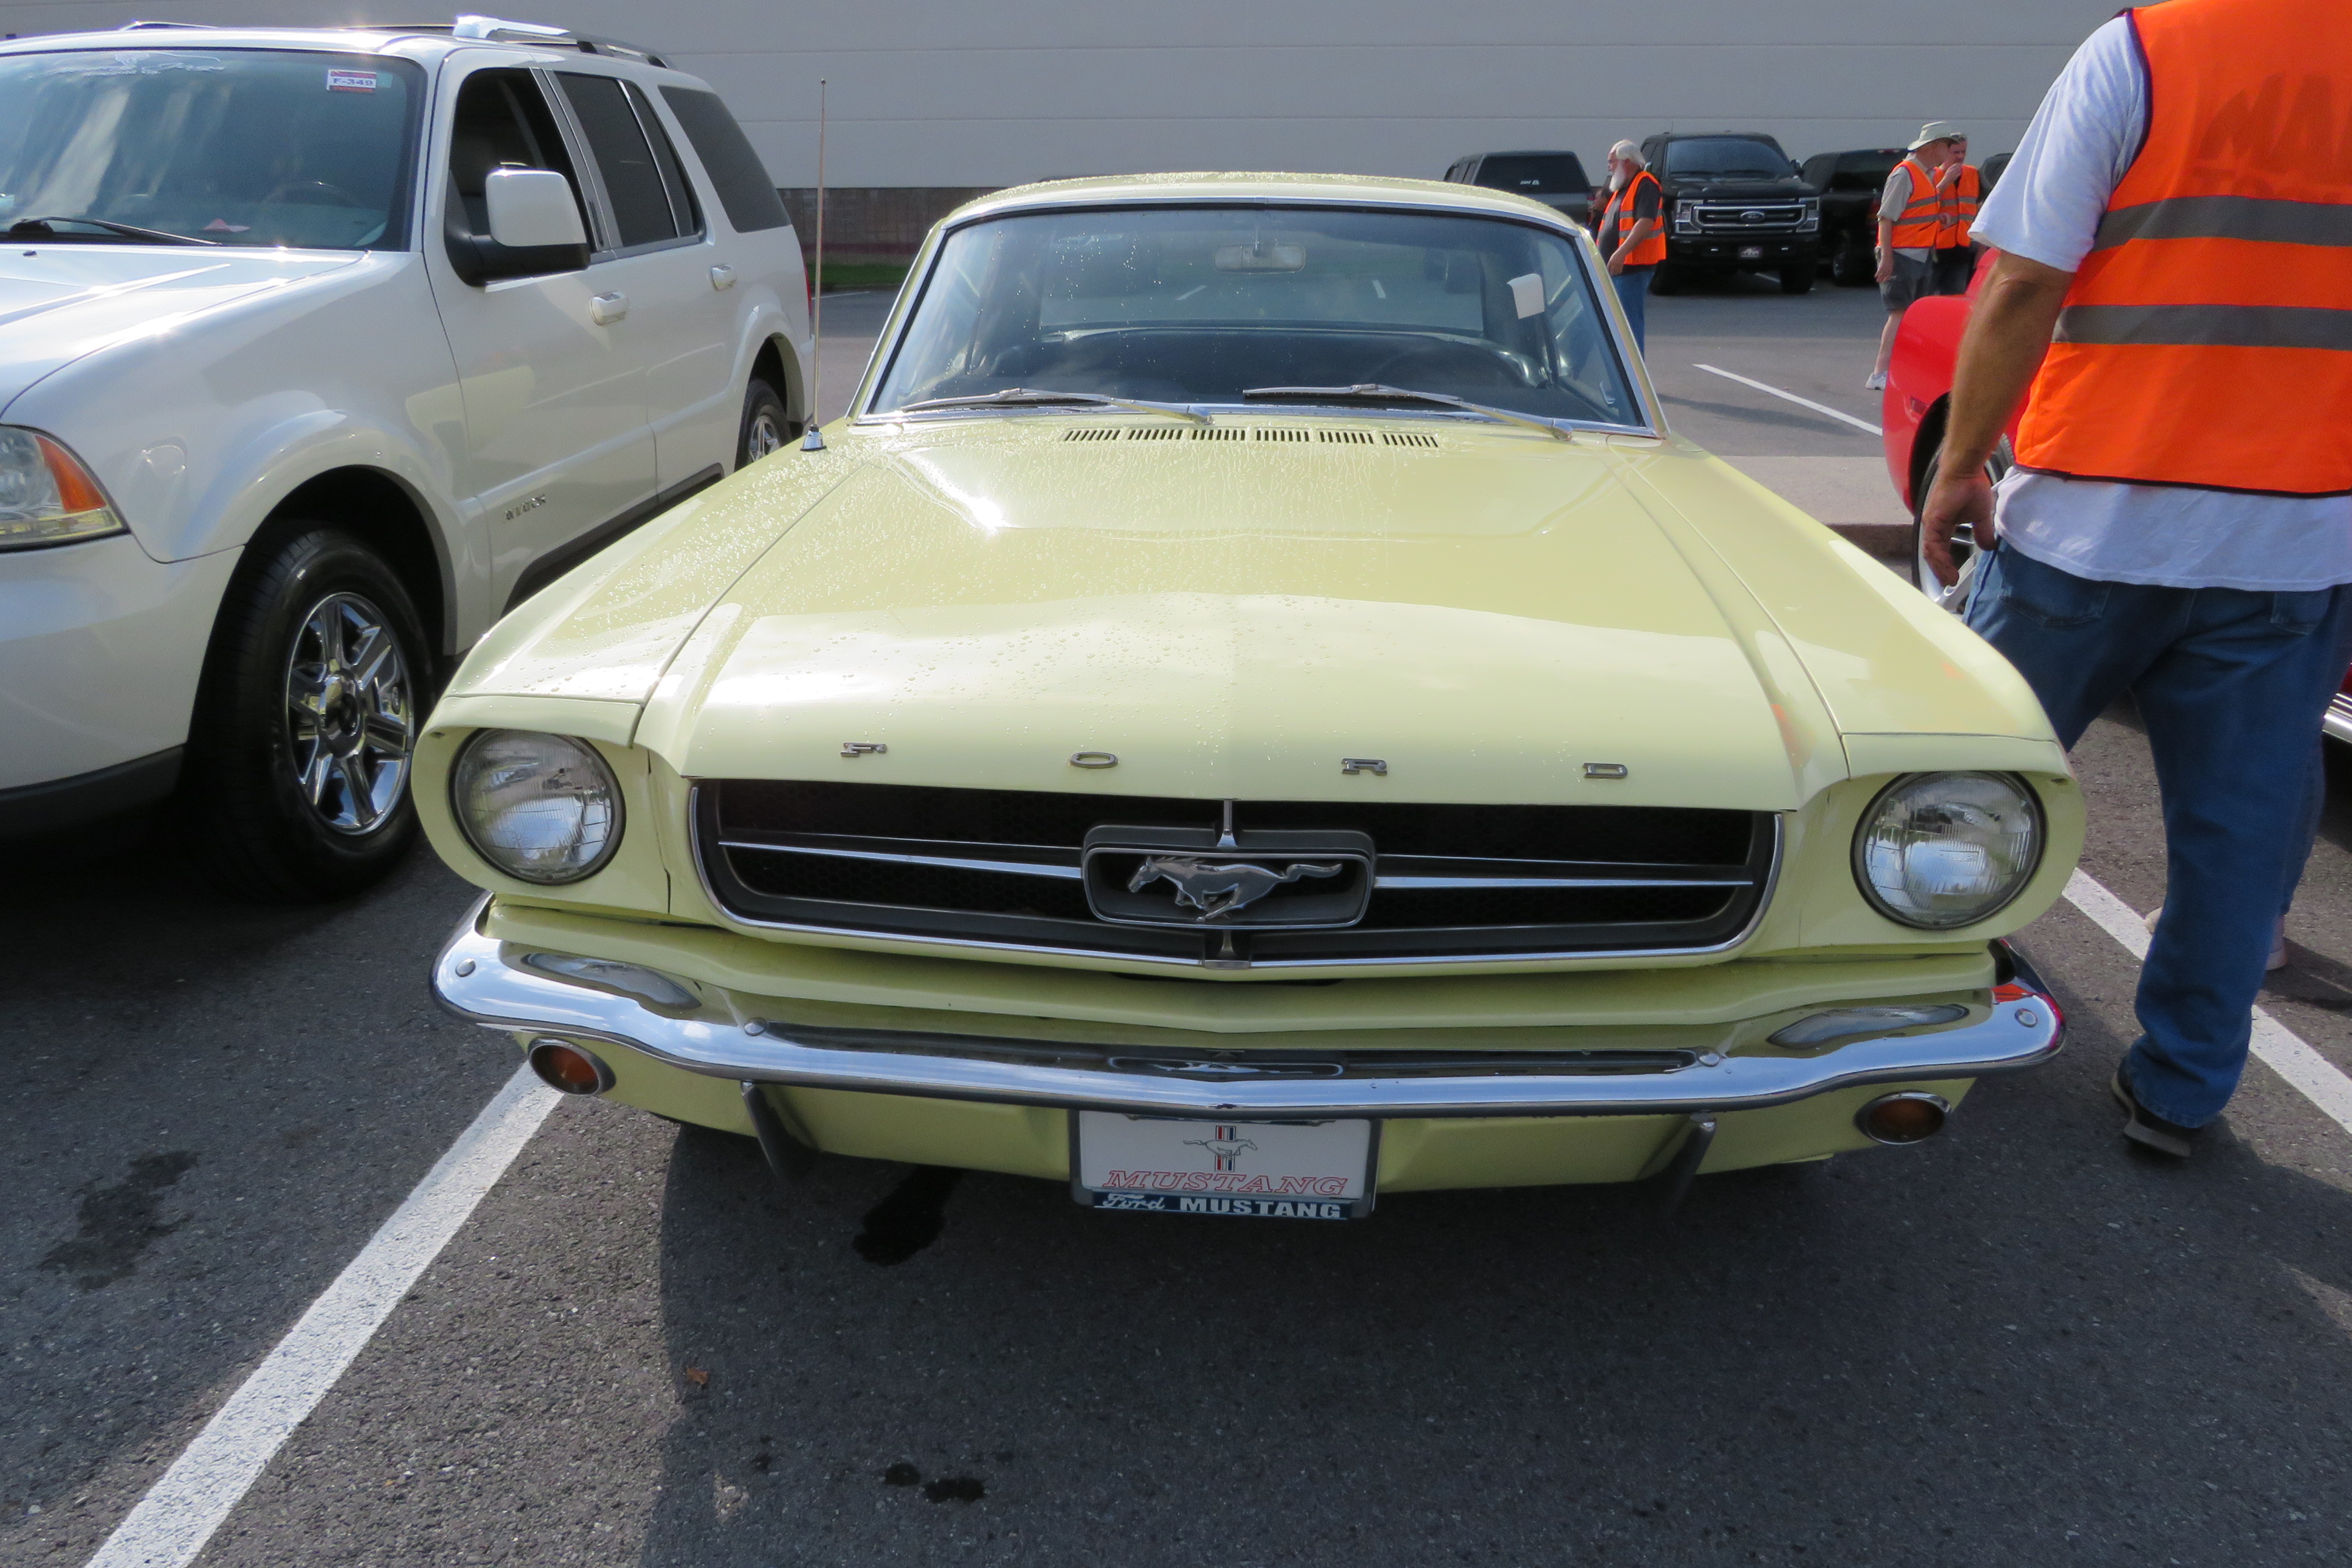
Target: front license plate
<point>1256,1170</point>
<point>1751,253</point>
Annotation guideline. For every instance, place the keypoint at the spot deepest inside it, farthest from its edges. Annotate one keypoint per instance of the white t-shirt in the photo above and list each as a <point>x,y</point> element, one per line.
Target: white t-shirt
<point>2047,208</point>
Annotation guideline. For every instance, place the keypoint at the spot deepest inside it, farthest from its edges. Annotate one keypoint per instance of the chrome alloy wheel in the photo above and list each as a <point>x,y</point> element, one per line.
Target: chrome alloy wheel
<point>764,436</point>
<point>351,723</point>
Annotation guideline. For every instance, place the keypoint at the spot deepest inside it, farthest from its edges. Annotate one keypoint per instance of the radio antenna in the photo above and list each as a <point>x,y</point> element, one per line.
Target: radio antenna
<point>815,440</point>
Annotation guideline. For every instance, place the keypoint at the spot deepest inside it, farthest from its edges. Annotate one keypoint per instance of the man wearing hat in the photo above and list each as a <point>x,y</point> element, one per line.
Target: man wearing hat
<point>1911,225</point>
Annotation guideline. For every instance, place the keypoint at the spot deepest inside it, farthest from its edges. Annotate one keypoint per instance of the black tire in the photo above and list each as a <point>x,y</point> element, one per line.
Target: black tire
<point>1855,266</point>
<point>1964,544</point>
<point>1667,279</point>
<point>1799,279</point>
<point>766,427</point>
<point>315,688</point>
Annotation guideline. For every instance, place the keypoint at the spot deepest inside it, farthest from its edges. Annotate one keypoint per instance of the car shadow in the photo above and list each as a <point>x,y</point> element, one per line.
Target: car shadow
<point>2017,1342</point>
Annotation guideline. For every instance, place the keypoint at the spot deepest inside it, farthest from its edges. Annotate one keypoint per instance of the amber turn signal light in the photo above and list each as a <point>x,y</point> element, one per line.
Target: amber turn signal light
<point>564,1067</point>
<point>1909,1117</point>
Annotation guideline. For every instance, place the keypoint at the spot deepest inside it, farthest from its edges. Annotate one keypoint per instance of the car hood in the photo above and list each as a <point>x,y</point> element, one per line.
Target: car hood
<point>58,303</point>
<point>1486,615</point>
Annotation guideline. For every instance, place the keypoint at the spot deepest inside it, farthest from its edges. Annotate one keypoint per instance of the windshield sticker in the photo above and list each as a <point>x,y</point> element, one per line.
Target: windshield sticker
<point>1527,294</point>
<point>350,81</point>
<point>222,225</point>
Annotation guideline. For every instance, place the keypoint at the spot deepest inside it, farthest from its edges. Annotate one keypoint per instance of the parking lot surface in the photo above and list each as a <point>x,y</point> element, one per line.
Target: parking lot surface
<point>2015,1343</point>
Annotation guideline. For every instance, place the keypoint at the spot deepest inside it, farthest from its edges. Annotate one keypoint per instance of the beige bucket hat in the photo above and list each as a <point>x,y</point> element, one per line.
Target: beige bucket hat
<point>1935,131</point>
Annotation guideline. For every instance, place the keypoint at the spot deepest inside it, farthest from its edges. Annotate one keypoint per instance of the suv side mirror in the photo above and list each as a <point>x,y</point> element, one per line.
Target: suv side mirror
<point>531,208</point>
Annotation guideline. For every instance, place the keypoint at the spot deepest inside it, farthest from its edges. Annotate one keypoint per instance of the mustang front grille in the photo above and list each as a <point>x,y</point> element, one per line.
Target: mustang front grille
<point>1264,883</point>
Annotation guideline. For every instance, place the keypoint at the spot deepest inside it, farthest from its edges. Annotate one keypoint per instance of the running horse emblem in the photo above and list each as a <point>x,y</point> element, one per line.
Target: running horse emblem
<point>1218,887</point>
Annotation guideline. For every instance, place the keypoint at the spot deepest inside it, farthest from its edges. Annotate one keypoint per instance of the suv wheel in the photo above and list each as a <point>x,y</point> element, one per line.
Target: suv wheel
<point>306,722</point>
<point>765,427</point>
<point>1799,279</point>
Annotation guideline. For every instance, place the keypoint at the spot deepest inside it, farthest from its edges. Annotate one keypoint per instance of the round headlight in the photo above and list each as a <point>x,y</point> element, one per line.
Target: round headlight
<point>1939,850</point>
<point>543,808</point>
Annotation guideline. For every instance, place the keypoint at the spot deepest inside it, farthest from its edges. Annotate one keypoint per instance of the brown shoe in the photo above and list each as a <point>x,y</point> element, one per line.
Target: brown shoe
<point>2144,1127</point>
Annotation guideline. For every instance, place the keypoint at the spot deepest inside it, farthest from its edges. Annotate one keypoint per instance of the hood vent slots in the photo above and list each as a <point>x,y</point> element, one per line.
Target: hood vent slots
<point>1157,433</point>
<point>1219,433</point>
<point>1110,434</point>
<point>1407,439</point>
<point>1278,434</point>
<point>1352,437</point>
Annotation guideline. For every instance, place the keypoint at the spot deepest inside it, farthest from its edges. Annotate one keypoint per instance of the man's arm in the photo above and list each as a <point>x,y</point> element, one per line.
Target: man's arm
<point>1886,251</point>
<point>2008,335</point>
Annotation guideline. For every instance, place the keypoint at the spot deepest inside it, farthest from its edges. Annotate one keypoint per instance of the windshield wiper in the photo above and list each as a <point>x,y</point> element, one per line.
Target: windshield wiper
<point>1015,396</point>
<point>1372,392</point>
<point>128,230</point>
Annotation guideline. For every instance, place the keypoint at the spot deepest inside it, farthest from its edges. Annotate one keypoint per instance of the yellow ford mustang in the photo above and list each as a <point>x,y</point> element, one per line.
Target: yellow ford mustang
<point>1253,710</point>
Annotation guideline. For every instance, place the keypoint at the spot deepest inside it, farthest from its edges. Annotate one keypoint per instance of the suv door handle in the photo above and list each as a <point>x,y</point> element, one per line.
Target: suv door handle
<point>606,308</point>
<point>722,278</point>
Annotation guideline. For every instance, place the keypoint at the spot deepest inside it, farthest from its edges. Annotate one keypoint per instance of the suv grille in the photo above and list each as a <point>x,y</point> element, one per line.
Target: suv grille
<point>1058,873</point>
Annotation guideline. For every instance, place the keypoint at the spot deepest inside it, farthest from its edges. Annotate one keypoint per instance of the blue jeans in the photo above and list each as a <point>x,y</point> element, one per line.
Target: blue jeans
<point>2231,685</point>
<point>1633,293</point>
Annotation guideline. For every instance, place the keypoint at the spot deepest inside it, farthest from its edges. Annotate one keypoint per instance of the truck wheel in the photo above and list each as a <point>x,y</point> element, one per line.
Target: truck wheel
<point>1855,266</point>
<point>313,694</point>
<point>1799,279</point>
<point>766,427</point>
<point>1665,279</point>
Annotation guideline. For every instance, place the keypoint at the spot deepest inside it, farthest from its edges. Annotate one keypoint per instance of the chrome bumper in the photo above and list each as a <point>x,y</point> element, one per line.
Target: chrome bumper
<point>2337,721</point>
<point>474,979</point>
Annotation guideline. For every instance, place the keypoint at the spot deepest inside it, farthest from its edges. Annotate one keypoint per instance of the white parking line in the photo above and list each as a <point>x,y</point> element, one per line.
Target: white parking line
<point>2279,1048</point>
<point>181,1510</point>
<point>1804,402</point>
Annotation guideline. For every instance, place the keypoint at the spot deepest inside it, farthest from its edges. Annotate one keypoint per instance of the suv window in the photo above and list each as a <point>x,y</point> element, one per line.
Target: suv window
<point>1727,157</point>
<point>1865,171</point>
<point>247,147</point>
<point>741,180</point>
<point>502,123</point>
<point>648,196</point>
<point>1535,174</point>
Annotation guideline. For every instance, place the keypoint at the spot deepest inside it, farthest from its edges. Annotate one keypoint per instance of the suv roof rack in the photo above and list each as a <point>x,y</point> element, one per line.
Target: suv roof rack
<point>498,29</point>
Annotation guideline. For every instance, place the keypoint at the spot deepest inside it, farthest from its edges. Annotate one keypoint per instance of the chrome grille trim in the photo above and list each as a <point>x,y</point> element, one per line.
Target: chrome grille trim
<point>1091,939</point>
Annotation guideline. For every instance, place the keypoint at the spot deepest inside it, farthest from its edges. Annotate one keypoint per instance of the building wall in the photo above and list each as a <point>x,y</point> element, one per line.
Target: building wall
<point>940,97</point>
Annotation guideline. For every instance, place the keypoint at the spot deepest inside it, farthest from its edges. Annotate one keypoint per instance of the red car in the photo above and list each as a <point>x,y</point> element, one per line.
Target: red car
<point>1918,398</point>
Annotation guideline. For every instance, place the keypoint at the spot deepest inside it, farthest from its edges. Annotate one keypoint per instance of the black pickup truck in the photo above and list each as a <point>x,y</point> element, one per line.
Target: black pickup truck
<point>1554,178</point>
<point>1850,185</point>
<point>1734,203</point>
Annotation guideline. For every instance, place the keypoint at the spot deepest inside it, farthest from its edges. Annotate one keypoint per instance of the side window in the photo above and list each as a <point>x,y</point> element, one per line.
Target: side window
<point>735,169</point>
<point>634,184</point>
<point>502,121</point>
<point>673,173</point>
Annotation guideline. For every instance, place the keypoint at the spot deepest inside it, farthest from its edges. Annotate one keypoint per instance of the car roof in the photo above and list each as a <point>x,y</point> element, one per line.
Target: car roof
<point>1369,190</point>
<point>422,42</point>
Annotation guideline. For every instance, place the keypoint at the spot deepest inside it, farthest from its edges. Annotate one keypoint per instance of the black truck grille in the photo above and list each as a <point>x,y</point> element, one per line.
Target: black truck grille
<point>1322,882</point>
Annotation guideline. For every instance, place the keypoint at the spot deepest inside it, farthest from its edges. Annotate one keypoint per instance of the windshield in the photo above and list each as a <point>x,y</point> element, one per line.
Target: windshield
<point>1535,174</point>
<point>247,147</point>
<point>1726,158</point>
<point>1198,305</point>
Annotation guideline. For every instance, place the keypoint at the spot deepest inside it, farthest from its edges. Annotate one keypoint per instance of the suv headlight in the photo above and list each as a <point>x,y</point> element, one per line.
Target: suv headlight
<point>541,808</point>
<point>47,497</point>
<point>1941,850</point>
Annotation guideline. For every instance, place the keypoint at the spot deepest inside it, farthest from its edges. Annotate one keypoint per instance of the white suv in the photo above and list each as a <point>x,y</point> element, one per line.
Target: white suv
<point>319,350</point>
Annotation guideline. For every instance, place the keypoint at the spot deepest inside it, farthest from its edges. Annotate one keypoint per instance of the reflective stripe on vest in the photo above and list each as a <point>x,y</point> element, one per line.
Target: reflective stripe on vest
<point>1962,199</point>
<point>1617,221</point>
<point>1923,215</point>
<point>2207,340</point>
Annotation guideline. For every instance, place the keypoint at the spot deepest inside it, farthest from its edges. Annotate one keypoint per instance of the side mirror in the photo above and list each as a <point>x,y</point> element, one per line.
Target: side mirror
<point>529,208</point>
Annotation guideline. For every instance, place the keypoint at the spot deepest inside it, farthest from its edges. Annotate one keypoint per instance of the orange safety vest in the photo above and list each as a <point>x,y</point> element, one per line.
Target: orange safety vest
<point>1617,221</point>
<point>1921,227</point>
<point>1961,198</point>
<point>2207,340</point>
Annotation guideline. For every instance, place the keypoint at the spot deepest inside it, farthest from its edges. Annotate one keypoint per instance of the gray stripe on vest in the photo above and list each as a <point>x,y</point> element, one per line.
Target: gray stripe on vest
<point>2229,217</point>
<point>2216,326</point>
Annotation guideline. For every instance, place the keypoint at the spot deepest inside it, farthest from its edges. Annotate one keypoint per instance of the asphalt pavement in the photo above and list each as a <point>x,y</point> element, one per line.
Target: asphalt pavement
<point>2018,1343</point>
